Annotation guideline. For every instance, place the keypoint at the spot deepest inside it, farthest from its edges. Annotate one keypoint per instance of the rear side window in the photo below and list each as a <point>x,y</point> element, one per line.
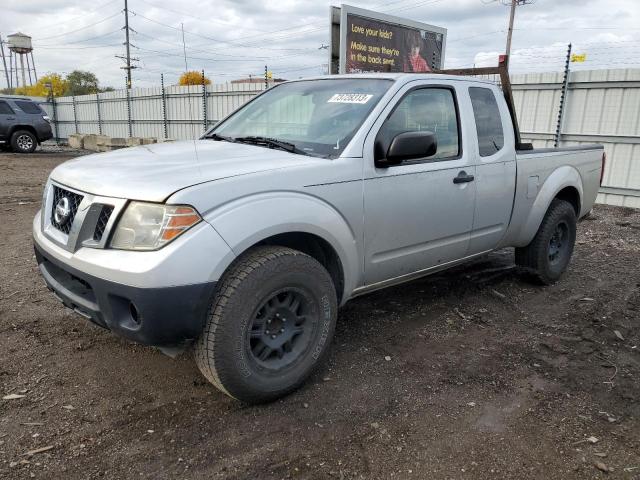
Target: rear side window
<point>28,107</point>
<point>5,109</point>
<point>488,121</point>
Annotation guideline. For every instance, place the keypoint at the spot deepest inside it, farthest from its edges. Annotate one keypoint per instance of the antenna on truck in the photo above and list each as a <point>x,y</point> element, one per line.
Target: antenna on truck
<point>503,71</point>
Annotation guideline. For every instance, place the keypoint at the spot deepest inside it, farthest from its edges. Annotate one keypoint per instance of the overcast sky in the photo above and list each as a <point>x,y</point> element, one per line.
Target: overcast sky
<point>235,38</point>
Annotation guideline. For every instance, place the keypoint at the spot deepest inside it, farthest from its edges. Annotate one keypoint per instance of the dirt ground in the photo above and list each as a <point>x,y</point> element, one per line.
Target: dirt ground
<point>474,373</point>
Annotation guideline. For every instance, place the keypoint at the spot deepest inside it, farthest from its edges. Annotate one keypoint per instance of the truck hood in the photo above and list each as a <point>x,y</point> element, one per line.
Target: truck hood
<point>154,172</point>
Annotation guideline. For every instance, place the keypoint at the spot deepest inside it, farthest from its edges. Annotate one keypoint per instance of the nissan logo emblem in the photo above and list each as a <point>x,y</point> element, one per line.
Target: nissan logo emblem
<point>62,212</point>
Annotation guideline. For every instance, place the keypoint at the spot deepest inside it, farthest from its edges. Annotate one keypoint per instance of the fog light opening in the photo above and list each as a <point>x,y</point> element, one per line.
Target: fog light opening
<point>135,316</point>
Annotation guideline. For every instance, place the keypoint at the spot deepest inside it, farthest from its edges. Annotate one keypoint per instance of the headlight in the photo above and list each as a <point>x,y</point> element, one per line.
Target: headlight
<point>149,226</point>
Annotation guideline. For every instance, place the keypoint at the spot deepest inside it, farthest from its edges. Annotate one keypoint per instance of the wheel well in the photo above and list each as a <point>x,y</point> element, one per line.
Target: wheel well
<point>571,195</point>
<point>23,127</point>
<point>315,247</point>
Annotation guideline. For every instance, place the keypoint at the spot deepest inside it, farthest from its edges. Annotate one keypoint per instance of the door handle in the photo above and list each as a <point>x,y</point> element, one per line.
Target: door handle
<point>463,178</point>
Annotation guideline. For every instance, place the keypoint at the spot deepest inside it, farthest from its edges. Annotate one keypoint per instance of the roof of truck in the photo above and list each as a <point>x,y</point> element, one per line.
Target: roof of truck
<point>401,77</point>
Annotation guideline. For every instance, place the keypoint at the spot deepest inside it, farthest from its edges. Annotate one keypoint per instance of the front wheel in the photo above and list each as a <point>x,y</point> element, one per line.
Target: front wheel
<point>549,253</point>
<point>23,141</point>
<point>269,325</point>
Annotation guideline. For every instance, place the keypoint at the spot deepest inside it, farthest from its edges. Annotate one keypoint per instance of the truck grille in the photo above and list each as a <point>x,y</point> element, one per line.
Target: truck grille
<point>101,225</point>
<point>74,200</point>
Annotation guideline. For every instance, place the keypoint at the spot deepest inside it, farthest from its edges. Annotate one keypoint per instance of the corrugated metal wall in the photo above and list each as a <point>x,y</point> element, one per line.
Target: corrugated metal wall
<point>145,112</point>
<point>602,106</point>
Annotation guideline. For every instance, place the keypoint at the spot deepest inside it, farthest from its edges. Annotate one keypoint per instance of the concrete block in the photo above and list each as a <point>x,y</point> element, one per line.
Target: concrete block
<point>108,144</point>
<point>76,140</point>
<point>116,142</point>
<point>134,141</point>
<point>148,140</point>
<point>91,141</point>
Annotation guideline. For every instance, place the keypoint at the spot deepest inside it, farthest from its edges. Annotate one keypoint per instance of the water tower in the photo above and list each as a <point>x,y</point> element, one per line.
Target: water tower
<point>20,49</point>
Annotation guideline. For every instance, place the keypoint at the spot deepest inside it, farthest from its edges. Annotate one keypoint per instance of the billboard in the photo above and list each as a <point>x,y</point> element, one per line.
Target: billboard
<point>366,41</point>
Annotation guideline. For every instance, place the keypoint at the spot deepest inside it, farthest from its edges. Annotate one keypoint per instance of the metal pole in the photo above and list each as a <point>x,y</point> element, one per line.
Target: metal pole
<point>11,71</point>
<point>563,98</point>
<point>266,78</point>
<point>99,115</point>
<point>204,102</point>
<point>129,112</point>
<point>184,49</point>
<point>512,16</point>
<point>15,67</point>
<point>24,77</point>
<point>126,32</point>
<point>29,70</point>
<point>75,117</point>
<point>55,114</point>
<point>33,62</point>
<point>4,62</point>
<point>164,106</point>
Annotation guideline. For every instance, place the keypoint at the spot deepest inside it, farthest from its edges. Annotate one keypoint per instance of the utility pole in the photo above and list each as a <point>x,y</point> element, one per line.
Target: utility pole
<point>512,16</point>
<point>127,58</point>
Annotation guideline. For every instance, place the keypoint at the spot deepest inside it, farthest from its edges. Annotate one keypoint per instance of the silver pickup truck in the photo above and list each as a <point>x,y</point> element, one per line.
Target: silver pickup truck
<point>244,243</point>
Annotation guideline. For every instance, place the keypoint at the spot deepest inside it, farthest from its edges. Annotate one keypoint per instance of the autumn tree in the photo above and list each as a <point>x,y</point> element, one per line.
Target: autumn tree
<point>193,78</point>
<point>40,89</point>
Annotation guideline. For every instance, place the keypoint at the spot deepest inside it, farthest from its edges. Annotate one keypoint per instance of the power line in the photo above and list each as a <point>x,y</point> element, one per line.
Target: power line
<point>80,41</point>
<point>74,19</point>
<point>217,40</point>
<point>81,28</point>
<point>208,19</point>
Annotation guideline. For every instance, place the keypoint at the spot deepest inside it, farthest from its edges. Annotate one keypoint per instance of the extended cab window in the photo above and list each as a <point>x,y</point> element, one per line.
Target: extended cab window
<point>488,120</point>
<point>426,110</point>
<point>5,109</point>
<point>28,107</point>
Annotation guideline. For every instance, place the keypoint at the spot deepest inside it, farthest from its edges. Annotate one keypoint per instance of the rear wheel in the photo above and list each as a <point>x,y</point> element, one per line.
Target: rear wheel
<point>269,325</point>
<point>549,253</point>
<point>23,141</point>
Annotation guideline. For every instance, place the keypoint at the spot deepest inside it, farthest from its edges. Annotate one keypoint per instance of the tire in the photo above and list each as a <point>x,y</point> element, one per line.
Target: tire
<point>259,291</point>
<point>23,141</point>
<point>548,255</point>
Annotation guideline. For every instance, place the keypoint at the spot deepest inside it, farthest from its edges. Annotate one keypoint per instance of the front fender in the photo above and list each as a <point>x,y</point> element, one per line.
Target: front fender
<point>565,176</point>
<point>244,222</point>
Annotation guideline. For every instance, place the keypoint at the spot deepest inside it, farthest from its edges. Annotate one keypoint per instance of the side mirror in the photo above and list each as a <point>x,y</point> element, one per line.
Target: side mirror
<point>409,146</point>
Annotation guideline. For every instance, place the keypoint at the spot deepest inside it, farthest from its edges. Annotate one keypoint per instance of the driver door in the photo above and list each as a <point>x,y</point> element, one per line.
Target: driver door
<point>417,215</point>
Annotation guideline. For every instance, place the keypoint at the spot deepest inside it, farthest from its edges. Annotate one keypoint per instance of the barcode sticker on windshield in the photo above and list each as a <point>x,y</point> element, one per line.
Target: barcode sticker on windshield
<point>350,98</point>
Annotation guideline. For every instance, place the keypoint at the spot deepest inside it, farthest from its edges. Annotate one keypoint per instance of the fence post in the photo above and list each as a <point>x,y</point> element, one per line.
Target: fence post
<point>99,115</point>
<point>75,116</point>
<point>563,99</point>
<point>55,118</point>
<point>129,113</point>
<point>204,102</point>
<point>164,106</point>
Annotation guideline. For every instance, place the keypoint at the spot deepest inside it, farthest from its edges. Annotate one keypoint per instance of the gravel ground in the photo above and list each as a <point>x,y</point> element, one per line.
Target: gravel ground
<point>473,373</point>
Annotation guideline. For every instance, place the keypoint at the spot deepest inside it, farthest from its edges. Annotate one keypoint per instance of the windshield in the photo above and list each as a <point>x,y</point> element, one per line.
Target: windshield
<point>313,117</point>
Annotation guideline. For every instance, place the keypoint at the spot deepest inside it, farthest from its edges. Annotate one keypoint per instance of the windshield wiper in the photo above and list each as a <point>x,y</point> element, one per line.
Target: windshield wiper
<point>271,143</point>
<point>215,136</point>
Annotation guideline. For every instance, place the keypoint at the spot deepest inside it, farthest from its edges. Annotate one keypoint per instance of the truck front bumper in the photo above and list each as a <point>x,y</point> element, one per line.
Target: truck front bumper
<point>158,316</point>
<point>157,298</point>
